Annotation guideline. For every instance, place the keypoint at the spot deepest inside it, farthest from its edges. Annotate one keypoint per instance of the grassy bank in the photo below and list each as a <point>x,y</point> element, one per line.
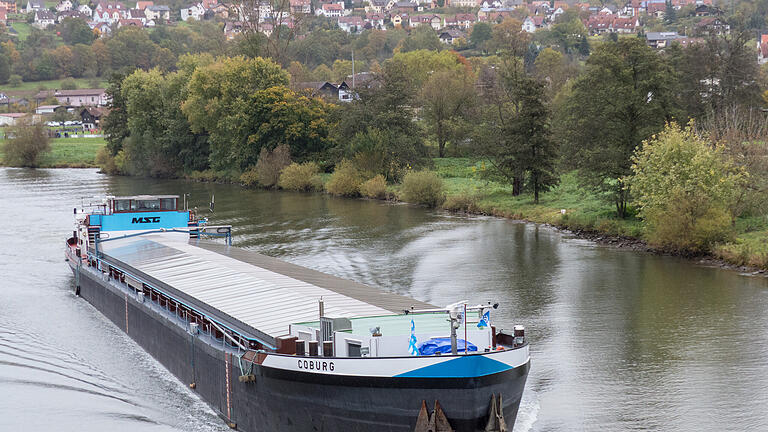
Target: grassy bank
<point>32,87</point>
<point>467,190</point>
<point>70,153</point>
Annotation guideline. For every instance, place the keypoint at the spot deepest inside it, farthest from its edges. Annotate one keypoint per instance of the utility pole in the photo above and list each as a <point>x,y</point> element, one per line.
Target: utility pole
<point>353,68</point>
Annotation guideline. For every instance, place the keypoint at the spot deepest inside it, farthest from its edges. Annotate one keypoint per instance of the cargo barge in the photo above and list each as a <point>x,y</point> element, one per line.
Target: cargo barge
<point>273,346</point>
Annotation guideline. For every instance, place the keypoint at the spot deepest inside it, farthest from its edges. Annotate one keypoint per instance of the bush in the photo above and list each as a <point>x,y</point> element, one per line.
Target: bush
<point>107,162</point>
<point>423,187</point>
<point>15,80</point>
<point>301,177</point>
<point>463,202</point>
<point>270,165</point>
<point>68,84</point>
<point>345,180</point>
<point>25,143</point>
<point>375,187</point>
<point>685,190</point>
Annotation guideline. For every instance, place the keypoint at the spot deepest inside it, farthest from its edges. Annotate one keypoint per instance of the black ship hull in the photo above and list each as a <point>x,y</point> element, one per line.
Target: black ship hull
<point>279,400</point>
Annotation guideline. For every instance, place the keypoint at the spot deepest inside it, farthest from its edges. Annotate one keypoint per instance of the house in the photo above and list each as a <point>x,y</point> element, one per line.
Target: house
<point>158,13</point>
<point>76,98</point>
<point>47,109</point>
<point>138,14</point>
<point>330,10</point>
<point>433,21</point>
<point>3,15</point>
<point>405,6</point>
<point>91,117</point>
<point>375,20</point>
<point>318,89</point>
<point>44,18</point>
<point>195,12</point>
<point>8,5</point>
<point>11,119</point>
<point>351,24</point>
<point>468,3</point>
<point>301,6</point>
<point>661,39</point>
<point>109,5</point>
<point>85,9</point>
<point>144,4</point>
<point>533,23</point>
<point>106,14</point>
<point>34,5</point>
<point>599,24</point>
<point>762,49</point>
<point>399,19</point>
<point>452,36</point>
<point>73,14</point>
<point>376,6</point>
<point>127,22</point>
<point>232,29</point>
<point>7,102</point>
<point>625,25</point>
<point>64,5</point>
<point>704,10</point>
<point>712,26</point>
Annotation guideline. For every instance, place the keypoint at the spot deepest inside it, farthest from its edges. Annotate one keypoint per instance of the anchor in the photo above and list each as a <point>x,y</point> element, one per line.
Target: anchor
<point>496,421</point>
<point>437,422</point>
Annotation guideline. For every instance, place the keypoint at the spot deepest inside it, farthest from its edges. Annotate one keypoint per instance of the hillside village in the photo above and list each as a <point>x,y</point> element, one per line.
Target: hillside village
<point>453,27</point>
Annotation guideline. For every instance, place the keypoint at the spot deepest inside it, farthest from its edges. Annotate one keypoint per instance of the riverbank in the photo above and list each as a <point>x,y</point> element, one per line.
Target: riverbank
<point>570,207</point>
<point>69,153</point>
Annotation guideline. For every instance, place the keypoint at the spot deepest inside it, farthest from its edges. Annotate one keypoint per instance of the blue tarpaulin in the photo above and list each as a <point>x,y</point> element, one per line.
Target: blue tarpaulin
<point>443,346</point>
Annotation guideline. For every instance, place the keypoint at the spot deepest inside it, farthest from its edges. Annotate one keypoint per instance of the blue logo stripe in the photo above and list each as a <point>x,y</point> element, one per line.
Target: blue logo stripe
<point>461,367</point>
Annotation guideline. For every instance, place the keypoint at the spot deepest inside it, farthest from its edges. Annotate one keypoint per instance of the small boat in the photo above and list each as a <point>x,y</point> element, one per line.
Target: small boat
<point>272,346</point>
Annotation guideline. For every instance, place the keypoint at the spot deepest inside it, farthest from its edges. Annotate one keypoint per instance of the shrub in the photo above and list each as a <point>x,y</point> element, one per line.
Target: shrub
<point>25,143</point>
<point>463,202</point>
<point>423,187</point>
<point>15,80</point>
<point>375,187</point>
<point>68,84</point>
<point>271,164</point>
<point>685,190</point>
<point>301,177</point>
<point>345,180</point>
<point>106,162</point>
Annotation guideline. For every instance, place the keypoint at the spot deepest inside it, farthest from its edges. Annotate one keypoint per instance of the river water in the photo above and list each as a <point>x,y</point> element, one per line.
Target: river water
<point>620,340</point>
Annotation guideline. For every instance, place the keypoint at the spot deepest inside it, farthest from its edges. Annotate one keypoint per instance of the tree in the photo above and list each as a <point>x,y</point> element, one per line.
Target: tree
<point>685,189</point>
<point>514,134</point>
<point>481,33</point>
<point>25,143</point>
<point>115,124</point>
<point>68,84</point>
<point>379,127</point>
<point>5,68</point>
<point>217,93</point>
<point>422,37</point>
<point>716,75</point>
<point>624,96</point>
<point>509,38</point>
<point>76,31</point>
<point>670,14</point>
<point>446,98</point>
<point>552,69</point>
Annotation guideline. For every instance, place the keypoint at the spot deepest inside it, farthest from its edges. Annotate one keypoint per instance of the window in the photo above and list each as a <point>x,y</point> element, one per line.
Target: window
<point>353,348</point>
<point>141,205</point>
<point>168,203</point>
<point>122,205</point>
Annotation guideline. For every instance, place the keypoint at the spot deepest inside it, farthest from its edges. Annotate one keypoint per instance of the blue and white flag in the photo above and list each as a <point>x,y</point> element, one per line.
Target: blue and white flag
<point>412,349</point>
<point>485,321</point>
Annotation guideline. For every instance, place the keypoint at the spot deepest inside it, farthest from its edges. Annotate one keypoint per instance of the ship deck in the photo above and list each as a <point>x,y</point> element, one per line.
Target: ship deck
<point>247,289</point>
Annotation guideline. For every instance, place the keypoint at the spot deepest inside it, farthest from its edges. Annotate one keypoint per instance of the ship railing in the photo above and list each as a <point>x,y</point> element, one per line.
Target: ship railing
<point>231,337</point>
<point>224,231</point>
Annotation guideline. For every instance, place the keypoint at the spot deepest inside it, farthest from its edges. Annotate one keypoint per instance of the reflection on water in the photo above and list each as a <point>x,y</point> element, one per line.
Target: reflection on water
<point>620,340</point>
